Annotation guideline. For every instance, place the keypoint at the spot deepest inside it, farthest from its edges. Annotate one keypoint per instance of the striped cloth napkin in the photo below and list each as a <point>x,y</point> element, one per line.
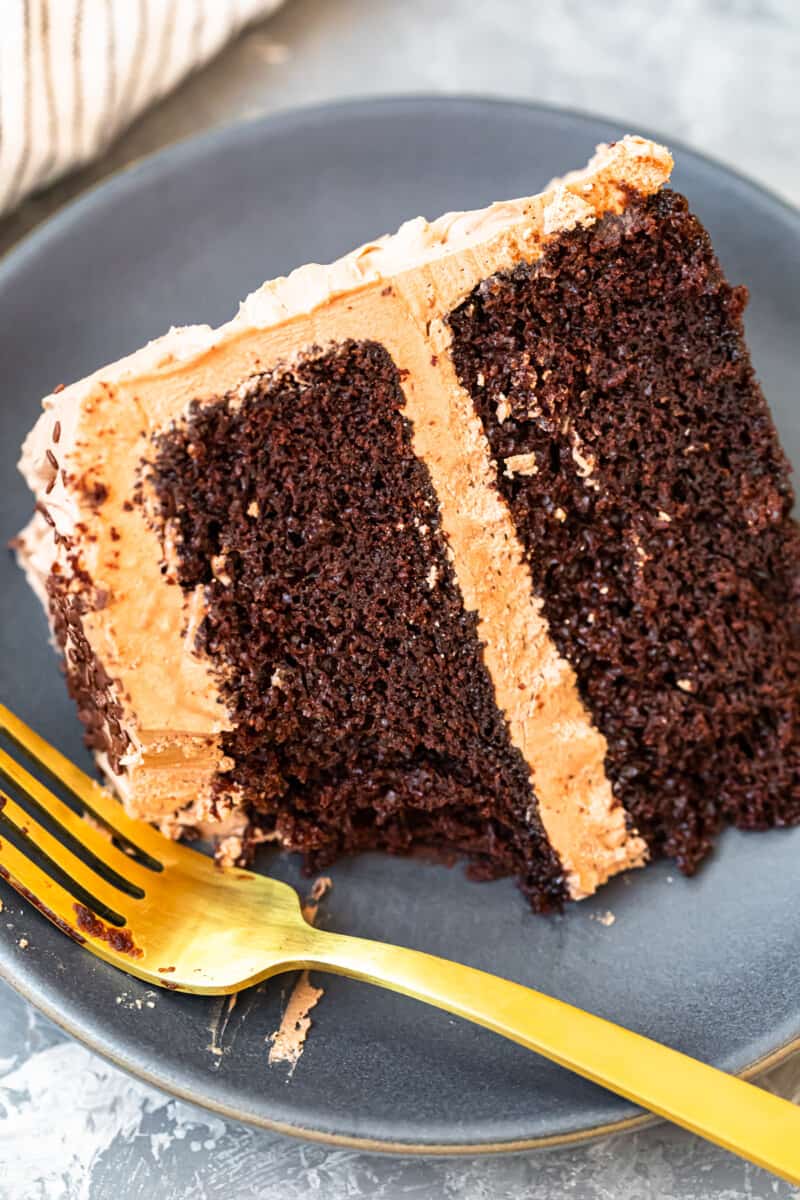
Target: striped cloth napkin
<point>73,73</point>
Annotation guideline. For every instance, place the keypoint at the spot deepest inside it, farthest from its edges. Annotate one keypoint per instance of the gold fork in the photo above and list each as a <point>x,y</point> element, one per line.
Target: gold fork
<point>167,914</point>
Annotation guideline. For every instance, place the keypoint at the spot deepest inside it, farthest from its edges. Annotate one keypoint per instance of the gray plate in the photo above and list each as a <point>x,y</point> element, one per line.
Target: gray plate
<point>711,965</point>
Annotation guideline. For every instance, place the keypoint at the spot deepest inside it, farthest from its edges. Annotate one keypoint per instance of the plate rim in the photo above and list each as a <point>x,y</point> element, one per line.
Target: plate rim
<point>195,145</point>
<point>373,1145</point>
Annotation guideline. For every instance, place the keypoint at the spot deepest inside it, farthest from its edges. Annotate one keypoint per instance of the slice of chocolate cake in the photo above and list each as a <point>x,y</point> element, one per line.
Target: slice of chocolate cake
<point>478,539</point>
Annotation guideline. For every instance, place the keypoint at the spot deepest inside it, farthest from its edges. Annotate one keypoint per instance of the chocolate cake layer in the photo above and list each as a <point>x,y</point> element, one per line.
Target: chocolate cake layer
<point>362,712</point>
<point>637,455</point>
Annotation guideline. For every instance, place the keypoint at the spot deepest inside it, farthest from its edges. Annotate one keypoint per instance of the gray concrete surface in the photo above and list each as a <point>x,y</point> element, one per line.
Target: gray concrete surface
<point>720,74</point>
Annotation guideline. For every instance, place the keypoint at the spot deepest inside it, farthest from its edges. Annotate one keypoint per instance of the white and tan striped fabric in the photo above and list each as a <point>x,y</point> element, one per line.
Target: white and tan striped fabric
<point>74,73</point>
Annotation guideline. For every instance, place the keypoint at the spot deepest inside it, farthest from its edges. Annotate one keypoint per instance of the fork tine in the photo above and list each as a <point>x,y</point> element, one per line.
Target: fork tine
<point>97,842</point>
<point>38,888</point>
<point>77,870</point>
<point>96,799</point>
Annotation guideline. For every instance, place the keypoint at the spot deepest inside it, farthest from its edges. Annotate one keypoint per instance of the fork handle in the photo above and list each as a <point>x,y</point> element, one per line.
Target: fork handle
<point>734,1114</point>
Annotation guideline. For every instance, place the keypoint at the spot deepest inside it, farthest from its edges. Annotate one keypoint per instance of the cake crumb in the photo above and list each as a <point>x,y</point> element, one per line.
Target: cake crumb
<point>662,516</point>
<point>320,888</point>
<point>560,515</point>
<point>521,464</point>
<point>219,569</point>
<point>605,918</point>
<point>23,943</point>
<point>641,553</point>
<point>252,509</point>
<point>503,409</point>
<point>686,685</point>
<point>432,576</point>
<point>229,851</point>
<point>584,463</point>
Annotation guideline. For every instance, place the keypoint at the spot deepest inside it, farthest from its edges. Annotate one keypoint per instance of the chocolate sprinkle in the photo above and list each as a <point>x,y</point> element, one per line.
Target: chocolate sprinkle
<point>95,491</point>
<point>87,680</point>
<point>42,508</point>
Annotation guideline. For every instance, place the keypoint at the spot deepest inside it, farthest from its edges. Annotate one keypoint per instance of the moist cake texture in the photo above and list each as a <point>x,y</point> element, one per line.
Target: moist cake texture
<point>655,513</point>
<point>477,540</point>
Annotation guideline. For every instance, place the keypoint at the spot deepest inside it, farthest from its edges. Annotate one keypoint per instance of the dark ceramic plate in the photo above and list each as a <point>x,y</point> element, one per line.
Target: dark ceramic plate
<point>710,965</point>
